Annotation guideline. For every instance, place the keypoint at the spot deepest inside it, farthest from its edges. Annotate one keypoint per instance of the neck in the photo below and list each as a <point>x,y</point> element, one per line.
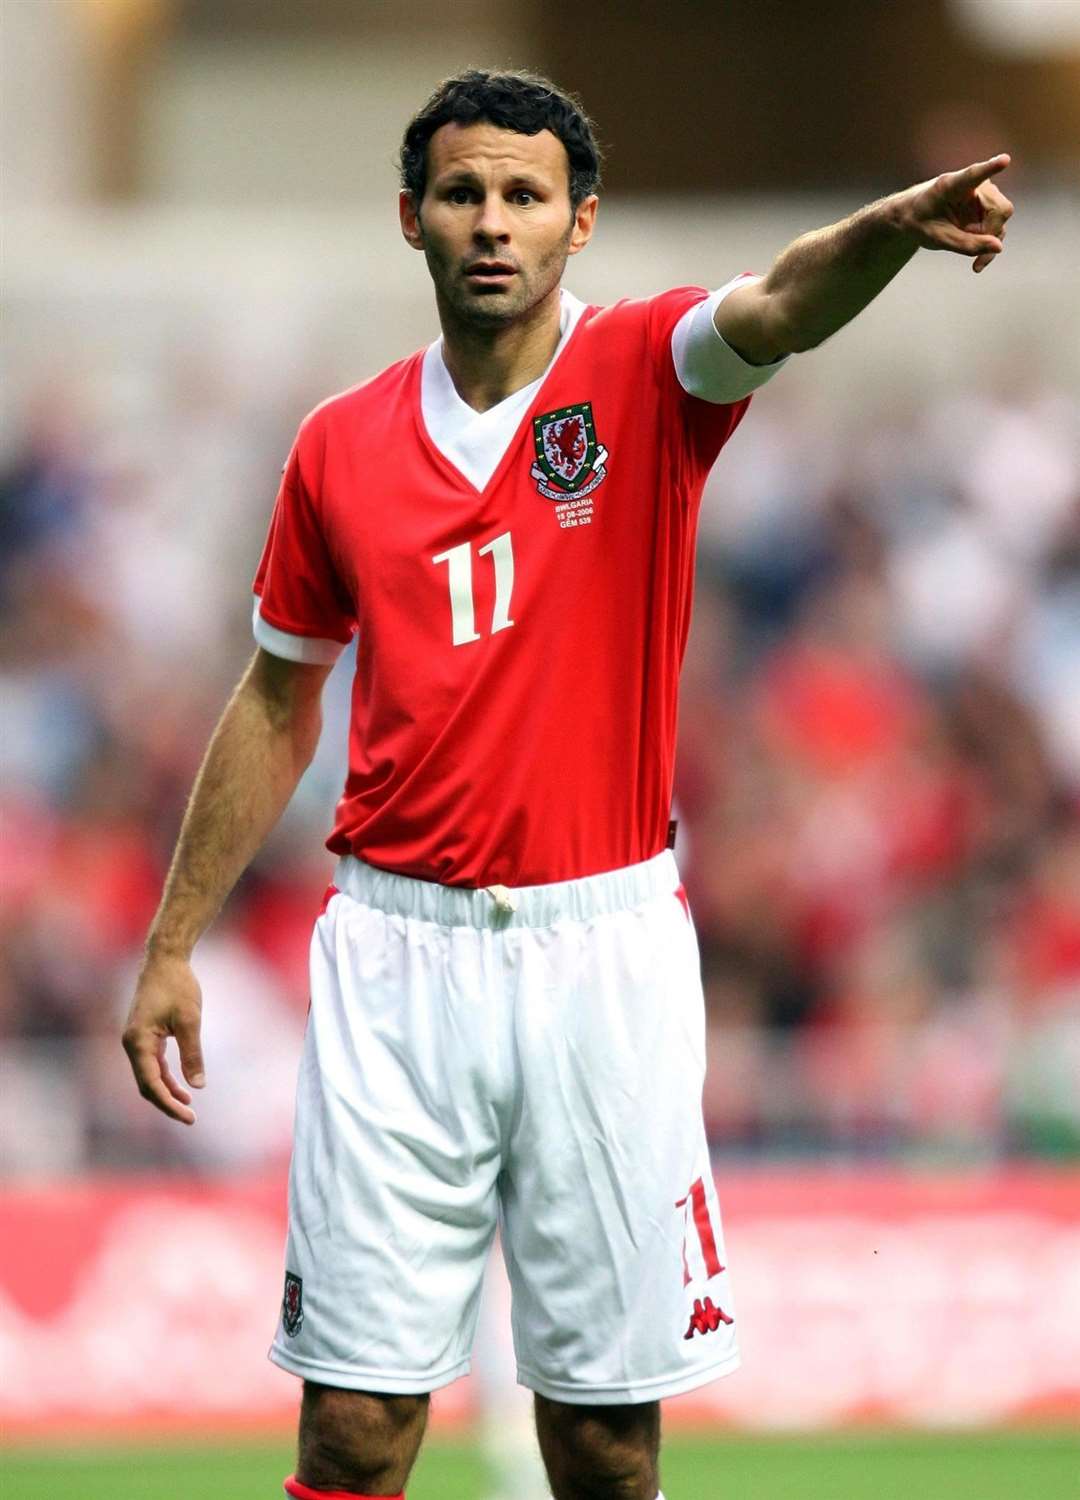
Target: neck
<point>489,364</point>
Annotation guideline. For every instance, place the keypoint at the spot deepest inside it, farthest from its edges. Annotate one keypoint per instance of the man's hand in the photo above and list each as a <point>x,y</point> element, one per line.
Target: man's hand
<point>960,211</point>
<point>259,750</point>
<point>168,1002</point>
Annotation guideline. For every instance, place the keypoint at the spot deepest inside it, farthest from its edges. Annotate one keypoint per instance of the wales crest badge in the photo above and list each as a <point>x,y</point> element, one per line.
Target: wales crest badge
<point>569,462</point>
<point>292,1305</point>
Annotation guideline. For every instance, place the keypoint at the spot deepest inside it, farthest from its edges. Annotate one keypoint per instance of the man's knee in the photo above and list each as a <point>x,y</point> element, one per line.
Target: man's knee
<point>358,1440</point>
<point>600,1452</point>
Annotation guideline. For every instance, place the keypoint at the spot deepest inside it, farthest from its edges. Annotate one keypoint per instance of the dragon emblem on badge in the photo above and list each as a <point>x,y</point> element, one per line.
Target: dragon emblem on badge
<point>292,1305</point>
<point>569,461</point>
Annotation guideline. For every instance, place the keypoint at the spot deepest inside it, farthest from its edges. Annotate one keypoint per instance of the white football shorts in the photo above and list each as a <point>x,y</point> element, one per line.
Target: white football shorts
<point>541,1068</point>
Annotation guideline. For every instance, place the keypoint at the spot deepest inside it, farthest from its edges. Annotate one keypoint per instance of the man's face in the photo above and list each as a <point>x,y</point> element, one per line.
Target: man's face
<point>495,223</point>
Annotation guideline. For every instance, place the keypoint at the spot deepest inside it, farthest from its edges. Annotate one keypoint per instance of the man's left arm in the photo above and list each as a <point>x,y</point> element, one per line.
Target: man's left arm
<point>824,278</point>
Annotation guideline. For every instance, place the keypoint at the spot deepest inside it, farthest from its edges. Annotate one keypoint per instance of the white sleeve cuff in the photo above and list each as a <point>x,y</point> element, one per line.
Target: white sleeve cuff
<point>304,648</point>
<point>706,364</point>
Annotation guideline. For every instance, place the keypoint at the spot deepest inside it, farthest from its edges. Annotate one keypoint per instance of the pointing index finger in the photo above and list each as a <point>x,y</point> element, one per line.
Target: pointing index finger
<point>970,177</point>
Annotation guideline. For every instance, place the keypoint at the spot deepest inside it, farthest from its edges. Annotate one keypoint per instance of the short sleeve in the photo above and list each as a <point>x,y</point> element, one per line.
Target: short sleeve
<point>705,363</point>
<point>303,611</point>
<point>707,425</point>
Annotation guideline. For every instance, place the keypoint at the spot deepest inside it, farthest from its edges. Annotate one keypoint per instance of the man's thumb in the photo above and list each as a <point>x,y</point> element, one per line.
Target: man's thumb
<point>191,1058</point>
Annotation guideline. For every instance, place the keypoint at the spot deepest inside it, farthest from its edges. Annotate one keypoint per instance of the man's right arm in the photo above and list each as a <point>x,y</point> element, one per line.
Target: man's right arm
<point>263,743</point>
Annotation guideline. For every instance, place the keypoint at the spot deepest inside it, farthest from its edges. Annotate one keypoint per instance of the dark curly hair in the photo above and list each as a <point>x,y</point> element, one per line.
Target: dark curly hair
<point>525,102</point>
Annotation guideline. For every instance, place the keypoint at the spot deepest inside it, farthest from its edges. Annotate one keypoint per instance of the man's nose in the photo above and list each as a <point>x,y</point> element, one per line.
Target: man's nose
<point>491,223</point>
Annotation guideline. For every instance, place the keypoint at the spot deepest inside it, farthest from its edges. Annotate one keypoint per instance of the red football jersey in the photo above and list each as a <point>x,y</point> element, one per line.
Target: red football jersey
<point>519,646</point>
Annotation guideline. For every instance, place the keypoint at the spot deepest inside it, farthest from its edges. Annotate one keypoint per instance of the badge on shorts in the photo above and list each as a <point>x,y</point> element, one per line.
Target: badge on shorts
<point>292,1305</point>
<point>570,463</point>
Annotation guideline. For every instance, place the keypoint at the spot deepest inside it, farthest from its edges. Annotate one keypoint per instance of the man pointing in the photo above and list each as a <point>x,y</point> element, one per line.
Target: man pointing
<point>506,1013</point>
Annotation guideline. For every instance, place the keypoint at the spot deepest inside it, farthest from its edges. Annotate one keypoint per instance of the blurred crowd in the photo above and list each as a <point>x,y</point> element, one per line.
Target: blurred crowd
<point>880,774</point>
<point>878,789</point>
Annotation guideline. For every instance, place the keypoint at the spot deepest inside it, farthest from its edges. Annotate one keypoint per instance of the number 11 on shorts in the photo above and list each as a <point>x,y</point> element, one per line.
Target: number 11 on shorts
<point>695,1206</point>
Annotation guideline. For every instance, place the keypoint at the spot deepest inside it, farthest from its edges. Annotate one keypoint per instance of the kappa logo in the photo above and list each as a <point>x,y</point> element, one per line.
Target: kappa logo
<point>292,1305</point>
<point>569,463</point>
<point>706,1317</point>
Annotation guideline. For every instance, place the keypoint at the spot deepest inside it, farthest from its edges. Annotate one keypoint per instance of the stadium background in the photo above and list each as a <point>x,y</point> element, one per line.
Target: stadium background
<point>879,780</point>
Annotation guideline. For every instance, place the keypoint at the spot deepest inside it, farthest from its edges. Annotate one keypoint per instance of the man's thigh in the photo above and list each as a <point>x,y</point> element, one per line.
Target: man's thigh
<point>392,1202</point>
<point>611,1225</point>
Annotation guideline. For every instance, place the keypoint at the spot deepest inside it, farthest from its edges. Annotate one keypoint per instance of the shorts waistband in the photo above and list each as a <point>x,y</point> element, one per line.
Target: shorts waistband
<point>533,905</point>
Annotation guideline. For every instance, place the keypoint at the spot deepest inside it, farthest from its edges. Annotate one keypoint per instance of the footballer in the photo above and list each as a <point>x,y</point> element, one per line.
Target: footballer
<point>506,1021</point>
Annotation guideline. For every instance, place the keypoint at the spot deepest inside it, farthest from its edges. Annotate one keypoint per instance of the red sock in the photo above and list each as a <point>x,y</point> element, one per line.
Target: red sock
<point>300,1491</point>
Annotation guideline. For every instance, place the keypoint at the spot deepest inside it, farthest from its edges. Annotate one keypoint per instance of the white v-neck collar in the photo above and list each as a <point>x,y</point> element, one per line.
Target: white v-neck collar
<point>475,441</point>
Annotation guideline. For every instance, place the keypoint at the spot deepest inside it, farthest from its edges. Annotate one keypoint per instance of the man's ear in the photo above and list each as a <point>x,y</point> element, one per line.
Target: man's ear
<point>584,223</point>
<point>409,215</point>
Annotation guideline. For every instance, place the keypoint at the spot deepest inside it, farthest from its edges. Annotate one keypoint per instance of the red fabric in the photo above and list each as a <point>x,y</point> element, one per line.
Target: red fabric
<point>704,1228</point>
<point>542,749</point>
<point>300,1491</point>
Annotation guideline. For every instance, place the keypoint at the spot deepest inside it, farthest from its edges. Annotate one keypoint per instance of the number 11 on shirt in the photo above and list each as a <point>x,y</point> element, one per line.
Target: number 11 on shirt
<point>459,565</point>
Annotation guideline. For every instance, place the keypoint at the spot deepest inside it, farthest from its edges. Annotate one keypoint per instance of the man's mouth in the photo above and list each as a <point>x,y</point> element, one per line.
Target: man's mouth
<point>490,272</point>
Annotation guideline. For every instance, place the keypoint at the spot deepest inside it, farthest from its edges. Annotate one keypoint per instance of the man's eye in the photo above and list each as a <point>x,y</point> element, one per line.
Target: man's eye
<point>459,195</point>
<point>524,197</point>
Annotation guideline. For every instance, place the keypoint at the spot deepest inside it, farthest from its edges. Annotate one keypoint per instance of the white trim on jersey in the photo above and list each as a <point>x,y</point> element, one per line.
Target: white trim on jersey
<point>706,364</point>
<point>304,648</point>
<point>475,441</point>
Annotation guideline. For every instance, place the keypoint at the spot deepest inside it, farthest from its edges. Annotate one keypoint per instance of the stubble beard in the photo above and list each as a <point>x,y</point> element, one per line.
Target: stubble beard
<point>494,310</point>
